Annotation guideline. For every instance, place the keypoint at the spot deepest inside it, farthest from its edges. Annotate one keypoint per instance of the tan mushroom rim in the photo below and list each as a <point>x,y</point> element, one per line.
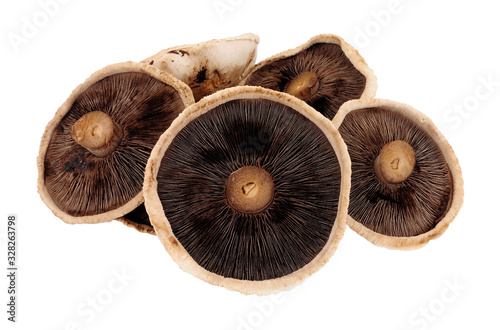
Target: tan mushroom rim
<point>137,226</point>
<point>426,124</point>
<point>185,94</point>
<point>352,54</point>
<point>164,230</point>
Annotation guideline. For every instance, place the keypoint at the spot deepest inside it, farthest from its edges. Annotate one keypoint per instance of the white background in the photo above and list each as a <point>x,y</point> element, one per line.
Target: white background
<point>433,55</point>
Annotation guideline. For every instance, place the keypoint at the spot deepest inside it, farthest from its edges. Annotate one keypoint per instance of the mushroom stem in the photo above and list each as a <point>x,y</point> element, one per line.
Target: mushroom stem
<point>250,189</point>
<point>98,133</point>
<point>304,85</point>
<point>395,162</point>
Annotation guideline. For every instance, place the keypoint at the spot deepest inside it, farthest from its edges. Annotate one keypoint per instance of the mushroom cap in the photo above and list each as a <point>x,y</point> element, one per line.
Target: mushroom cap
<point>343,73</point>
<point>209,66</point>
<point>138,219</point>
<point>189,170</point>
<point>78,186</point>
<point>407,214</point>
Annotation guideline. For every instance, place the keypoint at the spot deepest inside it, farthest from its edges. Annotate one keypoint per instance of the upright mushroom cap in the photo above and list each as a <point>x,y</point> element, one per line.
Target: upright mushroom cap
<point>94,152</point>
<point>209,66</point>
<point>325,72</point>
<point>407,185</point>
<point>248,189</point>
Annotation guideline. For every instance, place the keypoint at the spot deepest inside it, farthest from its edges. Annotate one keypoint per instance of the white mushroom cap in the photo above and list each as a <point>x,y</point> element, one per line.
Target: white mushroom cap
<point>209,66</point>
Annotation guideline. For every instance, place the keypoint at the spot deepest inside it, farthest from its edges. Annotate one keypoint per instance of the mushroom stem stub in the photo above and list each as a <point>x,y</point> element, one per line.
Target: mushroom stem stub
<point>395,162</point>
<point>304,85</point>
<point>97,132</point>
<point>250,189</point>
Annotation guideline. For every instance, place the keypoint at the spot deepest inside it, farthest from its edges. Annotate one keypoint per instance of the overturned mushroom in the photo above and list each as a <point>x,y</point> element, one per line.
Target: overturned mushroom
<point>325,72</point>
<point>94,152</point>
<point>247,198</point>
<point>407,185</point>
<point>209,66</point>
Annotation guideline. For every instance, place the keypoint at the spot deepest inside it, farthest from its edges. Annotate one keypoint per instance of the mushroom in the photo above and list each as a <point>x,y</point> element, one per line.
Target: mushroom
<point>247,198</point>
<point>209,66</point>
<point>407,185</point>
<point>325,72</point>
<point>94,151</point>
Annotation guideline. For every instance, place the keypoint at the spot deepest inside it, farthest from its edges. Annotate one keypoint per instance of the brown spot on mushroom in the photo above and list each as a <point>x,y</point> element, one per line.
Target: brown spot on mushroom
<point>173,241</point>
<point>201,76</point>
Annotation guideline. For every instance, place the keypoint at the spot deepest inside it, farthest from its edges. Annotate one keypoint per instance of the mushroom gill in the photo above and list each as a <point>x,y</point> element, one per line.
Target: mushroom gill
<point>249,194</point>
<point>325,72</point>
<point>94,152</point>
<point>406,182</point>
